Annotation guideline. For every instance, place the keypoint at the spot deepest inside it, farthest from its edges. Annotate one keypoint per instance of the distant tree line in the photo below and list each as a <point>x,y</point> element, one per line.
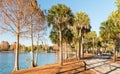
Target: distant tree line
<point>5,46</point>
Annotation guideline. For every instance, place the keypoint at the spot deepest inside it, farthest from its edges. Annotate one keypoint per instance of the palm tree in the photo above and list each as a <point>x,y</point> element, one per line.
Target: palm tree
<point>90,40</point>
<point>82,24</point>
<point>59,16</point>
<point>110,29</point>
<point>67,38</point>
<point>93,36</point>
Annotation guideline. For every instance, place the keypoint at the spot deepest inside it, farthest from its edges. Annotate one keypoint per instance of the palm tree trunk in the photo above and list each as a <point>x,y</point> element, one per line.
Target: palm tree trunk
<point>16,66</point>
<point>60,48</point>
<point>93,46</point>
<point>82,53</point>
<point>79,45</point>
<point>114,57</point>
<point>65,50</point>
<point>68,52</point>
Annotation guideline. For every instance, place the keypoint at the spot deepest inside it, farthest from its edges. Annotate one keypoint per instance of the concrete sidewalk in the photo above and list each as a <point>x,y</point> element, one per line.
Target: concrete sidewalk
<point>102,66</point>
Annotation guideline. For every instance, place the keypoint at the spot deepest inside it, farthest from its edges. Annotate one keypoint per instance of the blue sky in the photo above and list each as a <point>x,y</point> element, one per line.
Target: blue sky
<point>98,11</point>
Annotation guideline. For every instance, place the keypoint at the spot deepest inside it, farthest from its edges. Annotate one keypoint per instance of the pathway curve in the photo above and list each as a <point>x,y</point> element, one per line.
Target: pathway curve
<point>101,66</point>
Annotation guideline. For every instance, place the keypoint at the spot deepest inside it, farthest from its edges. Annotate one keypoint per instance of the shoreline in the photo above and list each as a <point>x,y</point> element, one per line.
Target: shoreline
<point>26,52</point>
<point>6,51</point>
<point>71,67</point>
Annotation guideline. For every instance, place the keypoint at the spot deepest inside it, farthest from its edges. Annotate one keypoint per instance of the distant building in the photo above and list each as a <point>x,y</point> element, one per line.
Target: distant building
<point>4,46</point>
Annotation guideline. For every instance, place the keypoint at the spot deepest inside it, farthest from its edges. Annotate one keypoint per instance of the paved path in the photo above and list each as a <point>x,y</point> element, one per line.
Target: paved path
<point>102,66</point>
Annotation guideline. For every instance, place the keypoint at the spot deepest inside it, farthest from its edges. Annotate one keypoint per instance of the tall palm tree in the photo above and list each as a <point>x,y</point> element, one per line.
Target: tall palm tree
<point>59,16</point>
<point>82,24</point>
<point>110,29</point>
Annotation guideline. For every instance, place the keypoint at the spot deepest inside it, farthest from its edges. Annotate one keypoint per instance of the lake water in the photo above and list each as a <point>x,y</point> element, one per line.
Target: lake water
<point>7,60</point>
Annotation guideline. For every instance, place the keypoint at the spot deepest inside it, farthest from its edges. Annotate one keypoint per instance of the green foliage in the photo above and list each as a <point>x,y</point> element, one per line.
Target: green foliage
<point>39,47</point>
<point>50,49</point>
<point>89,39</point>
<point>28,49</point>
<point>54,36</point>
<point>67,35</point>
<point>59,14</point>
<point>110,29</point>
<point>82,20</point>
<point>117,3</point>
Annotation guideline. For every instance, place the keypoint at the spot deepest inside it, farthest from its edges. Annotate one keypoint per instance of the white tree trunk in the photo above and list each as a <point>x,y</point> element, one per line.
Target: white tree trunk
<point>16,66</point>
<point>32,47</point>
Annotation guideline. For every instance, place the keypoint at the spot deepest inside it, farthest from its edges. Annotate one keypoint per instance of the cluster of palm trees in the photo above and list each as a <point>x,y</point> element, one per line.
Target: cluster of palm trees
<point>67,27</point>
<point>62,19</point>
<point>110,29</point>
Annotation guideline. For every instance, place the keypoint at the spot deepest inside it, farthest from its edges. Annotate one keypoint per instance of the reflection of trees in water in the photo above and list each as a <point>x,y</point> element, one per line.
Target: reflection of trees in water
<point>56,57</point>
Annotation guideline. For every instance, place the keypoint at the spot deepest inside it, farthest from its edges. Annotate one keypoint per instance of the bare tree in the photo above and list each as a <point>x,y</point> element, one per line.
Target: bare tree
<point>39,38</point>
<point>14,16</point>
<point>35,24</point>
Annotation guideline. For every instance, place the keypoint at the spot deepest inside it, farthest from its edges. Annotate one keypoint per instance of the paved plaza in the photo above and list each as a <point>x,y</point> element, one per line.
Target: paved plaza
<point>101,66</point>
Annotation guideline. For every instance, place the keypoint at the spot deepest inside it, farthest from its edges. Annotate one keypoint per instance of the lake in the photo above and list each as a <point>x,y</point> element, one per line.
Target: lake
<point>7,60</point>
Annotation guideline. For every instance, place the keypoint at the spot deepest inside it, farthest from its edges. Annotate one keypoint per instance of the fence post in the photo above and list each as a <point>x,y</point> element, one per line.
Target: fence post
<point>85,68</point>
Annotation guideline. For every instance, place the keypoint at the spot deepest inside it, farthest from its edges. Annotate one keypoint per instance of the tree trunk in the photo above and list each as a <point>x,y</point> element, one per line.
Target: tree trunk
<point>16,66</point>
<point>76,54</point>
<point>82,53</point>
<point>68,52</point>
<point>93,46</point>
<point>37,51</point>
<point>79,45</point>
<point>114,57</point>
<point>36,56</point>
<point>65,50</point>
<point>32,47</point>
<point>60,48</point>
